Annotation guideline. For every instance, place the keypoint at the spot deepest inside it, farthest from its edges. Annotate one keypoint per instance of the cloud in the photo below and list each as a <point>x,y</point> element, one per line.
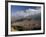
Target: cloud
<point>27,12</point>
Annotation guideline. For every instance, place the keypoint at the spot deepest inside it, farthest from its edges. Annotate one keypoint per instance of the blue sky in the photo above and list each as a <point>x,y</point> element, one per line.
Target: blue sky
<point>15,8</point>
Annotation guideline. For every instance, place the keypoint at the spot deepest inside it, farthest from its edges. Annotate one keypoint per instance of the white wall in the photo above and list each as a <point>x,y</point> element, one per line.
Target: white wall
<point>2,19</point>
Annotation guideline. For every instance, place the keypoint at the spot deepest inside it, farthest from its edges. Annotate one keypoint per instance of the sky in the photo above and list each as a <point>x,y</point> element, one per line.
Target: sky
<point>24,10</point>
